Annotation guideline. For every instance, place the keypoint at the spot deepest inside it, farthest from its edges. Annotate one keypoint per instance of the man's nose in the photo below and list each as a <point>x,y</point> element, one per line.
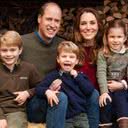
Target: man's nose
<point>52,24</point>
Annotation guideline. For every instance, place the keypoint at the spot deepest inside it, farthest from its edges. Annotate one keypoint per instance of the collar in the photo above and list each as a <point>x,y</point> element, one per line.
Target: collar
<point>63,72</point>
<point>4,67</point>
<point>41,40</point>
<point>123,50</point>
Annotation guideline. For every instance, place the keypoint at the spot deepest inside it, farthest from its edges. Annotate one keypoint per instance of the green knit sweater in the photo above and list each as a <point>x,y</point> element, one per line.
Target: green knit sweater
<point>114,67</point>
<point>41,55</point>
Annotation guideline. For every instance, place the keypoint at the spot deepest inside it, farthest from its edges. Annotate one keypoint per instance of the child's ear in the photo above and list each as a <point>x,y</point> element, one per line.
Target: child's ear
<point>21,49</point>
<point>57,59</point>
<point>77,61</point>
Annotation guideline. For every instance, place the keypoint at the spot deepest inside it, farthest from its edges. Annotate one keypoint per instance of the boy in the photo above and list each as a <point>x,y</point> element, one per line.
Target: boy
<point>17,81</point>
<point>74,84</point>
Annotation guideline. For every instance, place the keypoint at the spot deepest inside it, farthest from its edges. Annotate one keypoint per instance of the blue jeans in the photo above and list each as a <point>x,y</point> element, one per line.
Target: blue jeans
<point>38,111</point>
<point>89,119</point>
<point>56,115</point>
<point>93,109</point>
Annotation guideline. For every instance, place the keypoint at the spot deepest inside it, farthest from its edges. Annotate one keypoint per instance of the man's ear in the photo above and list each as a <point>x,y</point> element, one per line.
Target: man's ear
<point>39,19</point>
<point>125,39</point>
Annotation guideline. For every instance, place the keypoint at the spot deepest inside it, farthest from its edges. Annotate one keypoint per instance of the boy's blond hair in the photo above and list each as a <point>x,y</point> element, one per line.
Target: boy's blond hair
<point>68,46</point>
<point>11,38</point>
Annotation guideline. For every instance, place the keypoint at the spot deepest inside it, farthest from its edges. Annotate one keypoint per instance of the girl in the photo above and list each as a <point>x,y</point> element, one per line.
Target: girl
<point>112,67</point>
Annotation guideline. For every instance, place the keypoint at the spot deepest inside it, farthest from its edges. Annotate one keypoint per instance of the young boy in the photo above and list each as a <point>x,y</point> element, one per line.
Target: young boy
<point>17,81</point>
<point>74,84</point>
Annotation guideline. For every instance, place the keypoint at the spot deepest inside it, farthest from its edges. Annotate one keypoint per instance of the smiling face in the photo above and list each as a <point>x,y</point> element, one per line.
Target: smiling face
<point>9,55</point>
<point>88,26</point>
<point>116,38</point>
<point>67,60</point>
<point>49,22</point>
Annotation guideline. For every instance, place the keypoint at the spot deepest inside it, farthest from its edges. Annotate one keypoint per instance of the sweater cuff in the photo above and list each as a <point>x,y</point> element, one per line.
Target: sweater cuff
<point>103,89</point>
<point>125,85</point>
<point>31,92</point>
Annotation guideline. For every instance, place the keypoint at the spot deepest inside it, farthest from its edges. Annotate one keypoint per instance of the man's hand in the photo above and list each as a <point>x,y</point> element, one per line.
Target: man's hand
<point>56,85</point>
<point>22,96</point>
<point>52,97</point>
<point>103,99</point>
<point>3,123</point>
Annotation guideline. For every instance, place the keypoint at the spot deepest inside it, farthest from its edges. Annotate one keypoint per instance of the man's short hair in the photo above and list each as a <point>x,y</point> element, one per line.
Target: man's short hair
<point>45,5</point>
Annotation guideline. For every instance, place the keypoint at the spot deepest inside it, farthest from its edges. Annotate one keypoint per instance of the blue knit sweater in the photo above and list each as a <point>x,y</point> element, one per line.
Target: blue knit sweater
<point>76,90</point>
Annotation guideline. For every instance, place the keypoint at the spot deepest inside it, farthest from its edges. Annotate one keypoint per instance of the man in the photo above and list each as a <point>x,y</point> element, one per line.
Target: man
<point>40,49</point>
<point>40,46</point>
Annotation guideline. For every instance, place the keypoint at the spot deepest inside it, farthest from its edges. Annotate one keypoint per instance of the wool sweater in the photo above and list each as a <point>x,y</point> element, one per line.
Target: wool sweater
<point>76,90</point>
<point>114,67</point>
<point>89,69</point>
<point>23,77</point>
<point>37,52</point>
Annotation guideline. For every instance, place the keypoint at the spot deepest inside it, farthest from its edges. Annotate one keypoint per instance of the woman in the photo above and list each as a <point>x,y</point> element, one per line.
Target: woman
<point>87,35</point>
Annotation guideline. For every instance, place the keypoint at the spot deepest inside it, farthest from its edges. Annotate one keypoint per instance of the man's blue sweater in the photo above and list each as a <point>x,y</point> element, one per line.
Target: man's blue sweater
<point>76,90</point>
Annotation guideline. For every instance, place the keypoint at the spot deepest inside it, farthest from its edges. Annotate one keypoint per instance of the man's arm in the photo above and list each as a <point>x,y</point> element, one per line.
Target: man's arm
<point>45,84</point>
<point>43,89</point>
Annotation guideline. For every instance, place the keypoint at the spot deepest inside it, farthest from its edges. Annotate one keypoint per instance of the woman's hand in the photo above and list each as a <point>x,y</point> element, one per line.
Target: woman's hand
<point>115,85</point>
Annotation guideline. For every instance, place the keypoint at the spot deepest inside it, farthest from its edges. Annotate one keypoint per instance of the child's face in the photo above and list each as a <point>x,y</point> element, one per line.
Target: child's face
<point>9,55</point>
<point>67,60</point>
<point>116,38</point>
